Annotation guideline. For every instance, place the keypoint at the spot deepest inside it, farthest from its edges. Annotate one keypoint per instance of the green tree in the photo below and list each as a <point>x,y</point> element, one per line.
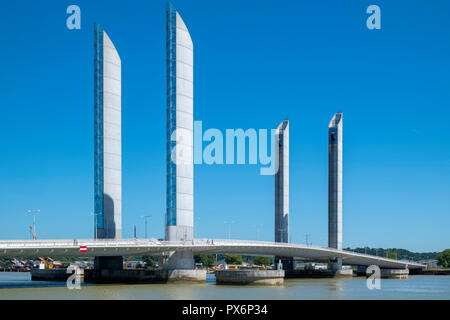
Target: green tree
<point>391,255</point>
<point>309,266</point>
<point>444,258</point>
<point>5,263</point>
<point>233,259</point>
<point>205,259</point>
<point>149,260</point>
<point>262,261</point>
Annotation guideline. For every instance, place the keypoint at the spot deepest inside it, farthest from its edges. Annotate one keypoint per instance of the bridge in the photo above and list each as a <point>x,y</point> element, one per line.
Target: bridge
<point>139,247</point>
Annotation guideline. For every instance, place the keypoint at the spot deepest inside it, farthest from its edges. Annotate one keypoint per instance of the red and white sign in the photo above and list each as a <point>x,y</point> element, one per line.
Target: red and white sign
<point>83,249</point>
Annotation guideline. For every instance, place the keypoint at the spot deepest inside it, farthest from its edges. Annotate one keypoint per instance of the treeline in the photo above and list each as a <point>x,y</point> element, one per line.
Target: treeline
<point>210,259</point>
<point>396,253</point>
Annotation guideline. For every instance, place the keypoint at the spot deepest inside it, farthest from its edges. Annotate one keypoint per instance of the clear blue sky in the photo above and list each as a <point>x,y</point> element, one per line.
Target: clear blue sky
<point>256,62</point>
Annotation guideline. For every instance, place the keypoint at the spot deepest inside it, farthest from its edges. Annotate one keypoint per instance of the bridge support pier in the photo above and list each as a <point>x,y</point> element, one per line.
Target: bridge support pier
<point>385,273</point>
<point>179,260</point>
<point>245,277</point>
<point>108,263</point>
<point>180,266</point>
<point>335,264</point>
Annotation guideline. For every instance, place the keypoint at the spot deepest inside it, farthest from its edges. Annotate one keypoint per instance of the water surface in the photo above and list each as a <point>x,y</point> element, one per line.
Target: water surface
<point>18,285</point>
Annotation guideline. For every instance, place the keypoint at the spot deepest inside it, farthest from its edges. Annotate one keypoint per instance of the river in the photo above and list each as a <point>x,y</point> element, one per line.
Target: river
<point>18,285</point>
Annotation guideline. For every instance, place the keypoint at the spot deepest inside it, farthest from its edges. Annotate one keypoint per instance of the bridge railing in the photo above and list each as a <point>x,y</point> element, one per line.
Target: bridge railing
<point>76,242</point>
<point>235,242</point>
<point>112,242</point>
<point>171,245</point>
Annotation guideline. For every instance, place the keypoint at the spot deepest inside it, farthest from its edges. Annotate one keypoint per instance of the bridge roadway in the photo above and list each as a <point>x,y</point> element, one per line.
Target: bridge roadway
<point>133,247</point>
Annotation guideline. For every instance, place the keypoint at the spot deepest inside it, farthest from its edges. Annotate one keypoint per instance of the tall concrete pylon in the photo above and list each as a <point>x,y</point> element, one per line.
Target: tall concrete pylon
<point>335,187</point>
<point>179,130</point>
<point>179,133</point>
<point>107,144</point>
<point>282,191</point>
<point>282,183</point>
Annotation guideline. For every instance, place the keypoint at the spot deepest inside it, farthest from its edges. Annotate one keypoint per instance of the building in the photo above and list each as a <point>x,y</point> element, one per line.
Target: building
<point>430,263</point>
<point>282,183</point>
<point>335,186</point>
<point>108,143</point>
<point>180,109</point>
<point>312,265</point>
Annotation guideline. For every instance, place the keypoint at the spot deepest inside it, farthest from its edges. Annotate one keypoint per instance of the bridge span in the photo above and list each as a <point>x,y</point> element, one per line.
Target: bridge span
<point>133,247</point>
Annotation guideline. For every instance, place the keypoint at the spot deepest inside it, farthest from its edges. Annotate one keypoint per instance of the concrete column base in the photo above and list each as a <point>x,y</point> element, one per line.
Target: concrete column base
<point>58,275</point>
<point>181,260</point>
<point>144,276</point>
<point>394,273</point>
<point>185,275</point>
<point>335,264</point>
<point>386,273</point>
<point>122,276</point>
<point>255,277</point>
<point>344,273</point>
<point>180,266</point>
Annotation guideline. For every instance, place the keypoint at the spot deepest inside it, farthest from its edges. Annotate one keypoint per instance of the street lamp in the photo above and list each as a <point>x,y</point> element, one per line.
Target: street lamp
<point>196,227</point>
<point>229,227</point>
<point>95,214</point>
<point>307,235</point>
<point>33,212</point>
<point>145,219</point>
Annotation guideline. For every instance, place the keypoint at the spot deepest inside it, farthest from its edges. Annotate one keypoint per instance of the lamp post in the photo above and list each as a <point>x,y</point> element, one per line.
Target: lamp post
<point>229,227</point>
<point>33,212</point>
<point>307,236</point>
<point>145,219</point>
<point>196,227</point>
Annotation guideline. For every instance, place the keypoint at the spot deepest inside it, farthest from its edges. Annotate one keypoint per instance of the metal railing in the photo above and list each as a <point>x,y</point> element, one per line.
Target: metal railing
<point>172,245</point>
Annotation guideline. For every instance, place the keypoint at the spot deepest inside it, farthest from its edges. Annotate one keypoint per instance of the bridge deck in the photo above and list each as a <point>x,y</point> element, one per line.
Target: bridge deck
<point>130,247</point>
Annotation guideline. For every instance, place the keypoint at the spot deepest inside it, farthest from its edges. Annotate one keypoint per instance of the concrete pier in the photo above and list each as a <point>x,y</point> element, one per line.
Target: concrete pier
<point>394,273</point>
<point>246,277</point>
<point>309,274</point>
<point>385,273</point>
<point>144,276</point>
<point>321,273</point>
<point>183,260</point>
<point>344,273</point>
<point>122,276</point>
<point>57,275</point>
